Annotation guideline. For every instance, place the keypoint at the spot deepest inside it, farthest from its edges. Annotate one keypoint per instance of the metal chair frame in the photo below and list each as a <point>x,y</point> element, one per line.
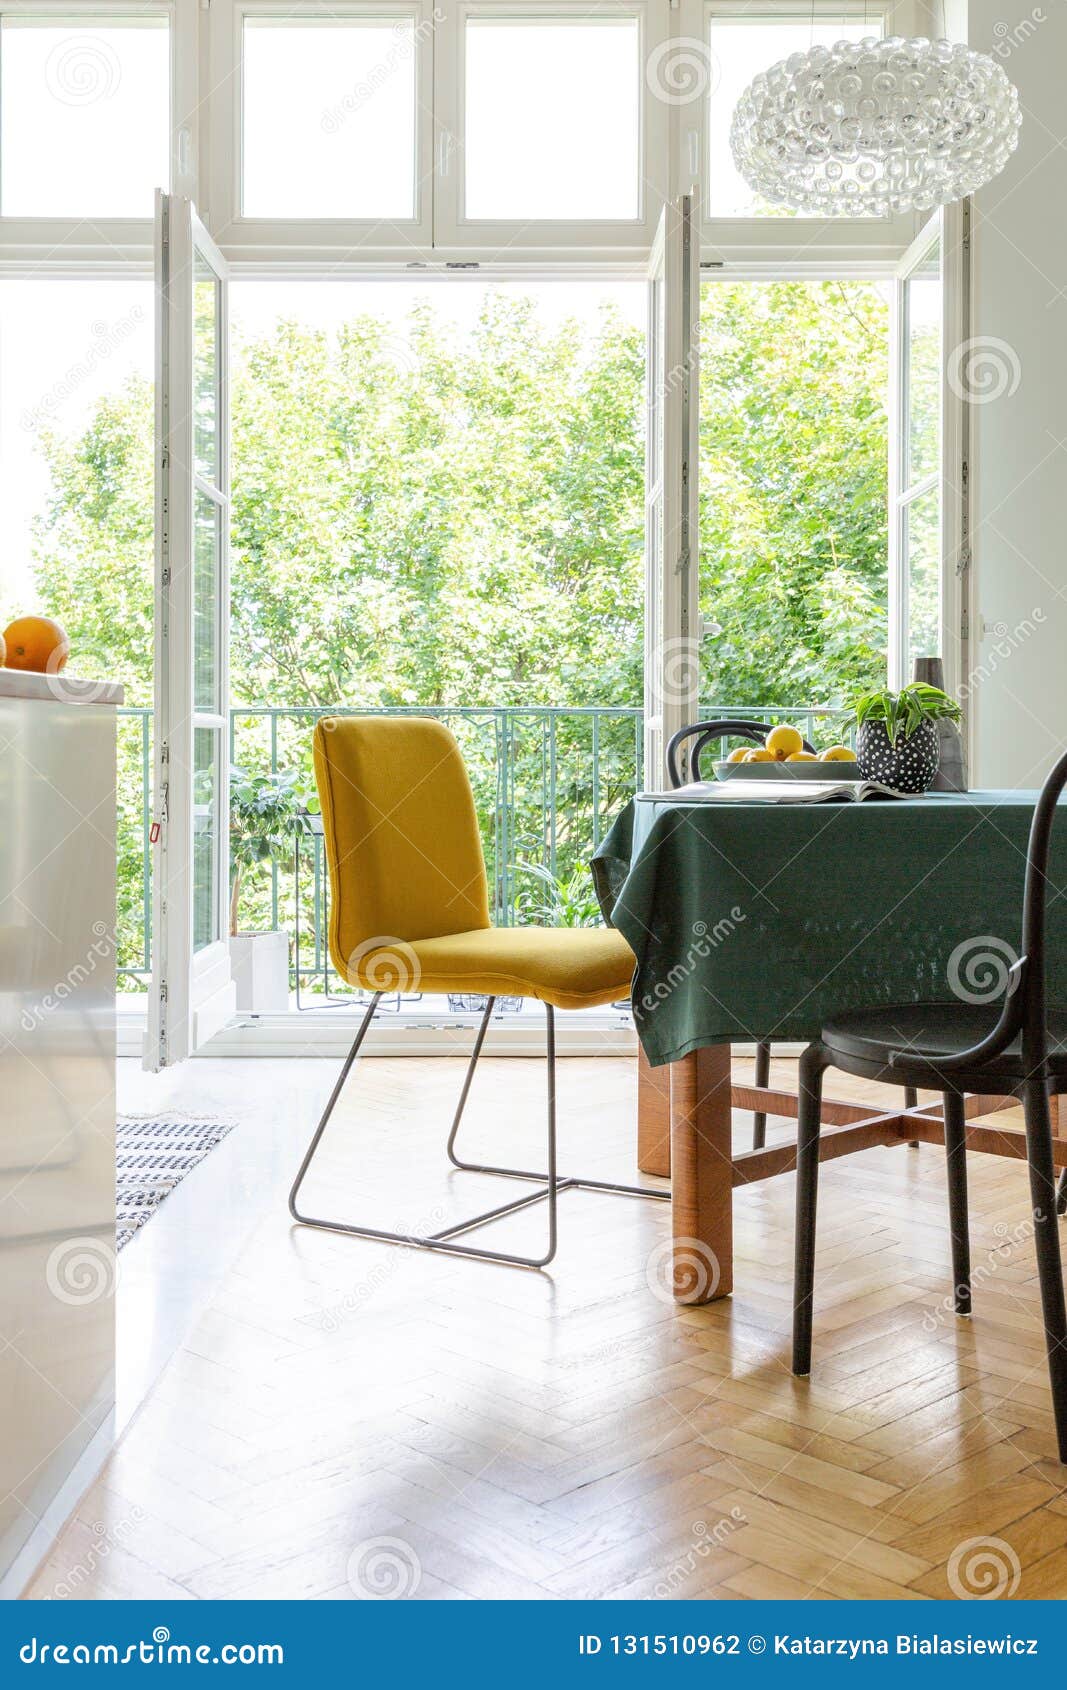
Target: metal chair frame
<point>1023,1016</point>
<point>553,1183</point>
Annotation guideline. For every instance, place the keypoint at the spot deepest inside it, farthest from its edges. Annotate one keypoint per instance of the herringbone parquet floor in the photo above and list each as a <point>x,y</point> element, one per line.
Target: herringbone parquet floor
<point>345,1419</point>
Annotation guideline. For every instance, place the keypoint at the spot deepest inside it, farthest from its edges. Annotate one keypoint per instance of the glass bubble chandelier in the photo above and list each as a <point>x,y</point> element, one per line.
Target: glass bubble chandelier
<point>874,127</point>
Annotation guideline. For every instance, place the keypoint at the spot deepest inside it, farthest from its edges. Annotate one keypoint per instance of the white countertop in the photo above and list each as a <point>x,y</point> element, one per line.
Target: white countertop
<point>63,688</point>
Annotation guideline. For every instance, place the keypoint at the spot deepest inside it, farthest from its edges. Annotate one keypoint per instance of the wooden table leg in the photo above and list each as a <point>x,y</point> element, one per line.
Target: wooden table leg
<point>702,1176</point>
<point>653,1117</point>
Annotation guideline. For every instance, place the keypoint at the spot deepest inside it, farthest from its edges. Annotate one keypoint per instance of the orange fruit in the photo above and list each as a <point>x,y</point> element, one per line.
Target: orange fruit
<point>802,757</point>
<point>760,755</point>
<point>739,755</point>
<point>783,742</point>
<point>37,643</point>
<point>837,754</point>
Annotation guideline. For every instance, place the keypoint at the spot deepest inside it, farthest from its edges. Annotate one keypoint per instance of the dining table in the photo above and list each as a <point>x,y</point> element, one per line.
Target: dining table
<point>752,920</point>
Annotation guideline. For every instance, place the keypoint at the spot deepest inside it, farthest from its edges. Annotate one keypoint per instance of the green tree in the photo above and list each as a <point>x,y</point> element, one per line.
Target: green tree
<point>425,517</point>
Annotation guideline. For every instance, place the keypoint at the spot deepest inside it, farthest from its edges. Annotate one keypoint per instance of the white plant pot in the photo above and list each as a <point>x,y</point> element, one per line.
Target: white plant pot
<point>260,963</point>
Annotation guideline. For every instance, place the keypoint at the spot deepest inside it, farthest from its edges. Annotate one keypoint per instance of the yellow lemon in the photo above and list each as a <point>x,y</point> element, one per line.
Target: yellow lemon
<point>802,757</point>
<point>838,754</point>
<point>760,755</point>
<point>783,742</point>
<point>739,755</point>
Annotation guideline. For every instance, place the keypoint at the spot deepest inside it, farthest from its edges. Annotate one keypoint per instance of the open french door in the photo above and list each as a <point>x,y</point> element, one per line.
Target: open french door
<point>192,993</point>
<point>672,618</point>
<point>929,552</point>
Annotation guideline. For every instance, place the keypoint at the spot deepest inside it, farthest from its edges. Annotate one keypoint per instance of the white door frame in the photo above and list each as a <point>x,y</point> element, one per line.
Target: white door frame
<point>193,994</point>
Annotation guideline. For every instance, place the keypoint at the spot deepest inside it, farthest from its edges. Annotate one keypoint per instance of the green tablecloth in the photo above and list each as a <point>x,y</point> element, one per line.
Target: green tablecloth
<point>758,921</point>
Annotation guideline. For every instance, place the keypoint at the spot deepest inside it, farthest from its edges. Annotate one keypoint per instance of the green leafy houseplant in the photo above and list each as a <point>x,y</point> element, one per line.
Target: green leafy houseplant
<point>267,811</point>
<point>904,711</point>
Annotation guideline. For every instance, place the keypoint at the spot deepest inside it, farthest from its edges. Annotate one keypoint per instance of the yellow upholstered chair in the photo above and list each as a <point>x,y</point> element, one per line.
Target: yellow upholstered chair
<point>409,911</point>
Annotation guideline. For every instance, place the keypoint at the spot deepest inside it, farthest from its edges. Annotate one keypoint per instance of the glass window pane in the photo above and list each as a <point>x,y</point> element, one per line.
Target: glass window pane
<point>553,119</point>
<point>923,388</point>
<point>206,742</point>
<point>84,116</point>
<point>740,48</point>
<point>923,554</point>
<point>206,371</point>
<point>794,469</point>
<point>329,118</point>
<point>206,605</point>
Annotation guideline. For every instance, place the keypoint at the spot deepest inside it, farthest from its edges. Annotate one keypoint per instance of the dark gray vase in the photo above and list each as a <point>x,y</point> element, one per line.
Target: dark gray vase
<point>908,766</point>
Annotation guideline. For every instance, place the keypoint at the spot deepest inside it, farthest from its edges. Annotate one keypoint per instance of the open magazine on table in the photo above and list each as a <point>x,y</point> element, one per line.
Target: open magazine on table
<point>778,792</point>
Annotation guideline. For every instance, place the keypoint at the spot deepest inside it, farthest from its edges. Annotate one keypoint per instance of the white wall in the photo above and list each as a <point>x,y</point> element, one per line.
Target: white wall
<point>1018,706</point>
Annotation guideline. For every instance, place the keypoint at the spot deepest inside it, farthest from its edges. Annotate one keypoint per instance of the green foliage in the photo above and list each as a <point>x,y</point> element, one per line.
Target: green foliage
<point>793,491</point>
<point>426,517</point>
<point>907,709</point>
<point>557,900</point>
<point>266,813</point>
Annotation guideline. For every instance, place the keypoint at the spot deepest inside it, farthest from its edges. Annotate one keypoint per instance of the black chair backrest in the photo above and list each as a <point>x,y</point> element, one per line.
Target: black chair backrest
<point>1031,997</point>
<point>703,732</point>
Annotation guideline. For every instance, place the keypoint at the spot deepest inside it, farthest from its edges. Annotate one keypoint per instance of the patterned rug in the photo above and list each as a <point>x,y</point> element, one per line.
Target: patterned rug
<point>153,1154</point>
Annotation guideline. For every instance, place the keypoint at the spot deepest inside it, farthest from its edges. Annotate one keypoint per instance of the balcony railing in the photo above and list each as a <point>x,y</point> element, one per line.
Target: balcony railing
<point>548,782</point>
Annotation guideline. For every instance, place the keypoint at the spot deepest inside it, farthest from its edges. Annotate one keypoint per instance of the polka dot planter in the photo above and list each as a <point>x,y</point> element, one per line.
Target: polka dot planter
<point>908,766</point>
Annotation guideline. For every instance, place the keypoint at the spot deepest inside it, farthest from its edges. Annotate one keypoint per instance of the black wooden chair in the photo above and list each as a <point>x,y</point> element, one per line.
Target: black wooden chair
<point>956,1048</point>
<point>704,733</point>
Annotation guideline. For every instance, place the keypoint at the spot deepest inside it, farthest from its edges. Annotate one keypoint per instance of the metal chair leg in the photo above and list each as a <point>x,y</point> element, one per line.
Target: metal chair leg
<point>549,1182</point>
<point>956,1157</point>
<point>1047,1244</point>
<point>813,1065</point>
<point>569,1182</point>
<point>763,1074</point>
<point>442,1241</point>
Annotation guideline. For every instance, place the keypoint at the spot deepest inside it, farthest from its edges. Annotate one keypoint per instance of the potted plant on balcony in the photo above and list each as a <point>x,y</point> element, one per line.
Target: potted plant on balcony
<point>897,742</point>
<point>267,811</point>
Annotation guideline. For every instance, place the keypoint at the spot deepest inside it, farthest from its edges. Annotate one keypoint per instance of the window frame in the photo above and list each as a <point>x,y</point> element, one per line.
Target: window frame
<point>70,243</point>
<point>806,246</point>
<point>326,240</point>
<point>949,230</point>
<point>458,236</point>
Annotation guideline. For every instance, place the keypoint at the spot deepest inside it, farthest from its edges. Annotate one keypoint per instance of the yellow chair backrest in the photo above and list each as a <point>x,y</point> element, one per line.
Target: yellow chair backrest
<point>402,841</point>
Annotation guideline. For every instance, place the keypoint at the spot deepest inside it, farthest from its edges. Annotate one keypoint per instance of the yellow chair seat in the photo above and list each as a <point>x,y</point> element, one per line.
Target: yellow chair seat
<point>569,967</point>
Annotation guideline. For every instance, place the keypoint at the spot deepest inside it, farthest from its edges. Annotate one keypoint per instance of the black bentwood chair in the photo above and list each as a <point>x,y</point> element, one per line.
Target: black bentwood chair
<point>703,733</point>
<point>956,1048</point>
